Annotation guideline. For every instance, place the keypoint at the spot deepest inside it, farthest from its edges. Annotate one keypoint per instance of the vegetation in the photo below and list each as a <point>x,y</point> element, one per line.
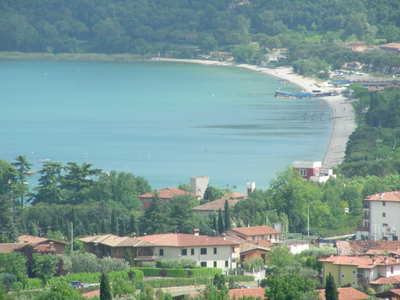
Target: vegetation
<point>105,288</point>
<point>373,149</point>
<point>331,292</point>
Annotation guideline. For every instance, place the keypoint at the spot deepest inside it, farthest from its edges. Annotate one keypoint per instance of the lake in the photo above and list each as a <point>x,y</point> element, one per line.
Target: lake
<point>163,121</point>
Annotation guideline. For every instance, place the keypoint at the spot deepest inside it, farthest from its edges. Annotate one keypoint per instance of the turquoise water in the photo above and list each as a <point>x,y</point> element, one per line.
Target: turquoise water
<point>163,121</point>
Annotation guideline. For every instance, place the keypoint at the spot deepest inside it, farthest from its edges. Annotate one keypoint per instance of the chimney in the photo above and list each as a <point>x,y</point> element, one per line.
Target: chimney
<point>196,231</point>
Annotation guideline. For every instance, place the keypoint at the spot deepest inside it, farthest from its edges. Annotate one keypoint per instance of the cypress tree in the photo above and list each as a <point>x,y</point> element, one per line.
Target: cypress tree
<point>331,292</point>
<point>220,222</point>
<point>227,216</point>
<point>133,225</point>
<point>105,289</point>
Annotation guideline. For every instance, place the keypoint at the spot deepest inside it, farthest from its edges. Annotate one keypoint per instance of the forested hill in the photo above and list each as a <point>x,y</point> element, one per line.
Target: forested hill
<point>157,26</point>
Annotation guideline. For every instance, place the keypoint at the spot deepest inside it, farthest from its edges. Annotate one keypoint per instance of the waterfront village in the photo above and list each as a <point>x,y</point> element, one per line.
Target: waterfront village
<point>368,259</point>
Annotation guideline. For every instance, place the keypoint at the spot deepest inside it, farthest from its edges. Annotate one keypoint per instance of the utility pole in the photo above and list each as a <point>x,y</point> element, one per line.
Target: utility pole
<point>72,237</point>
<point>308,221</point>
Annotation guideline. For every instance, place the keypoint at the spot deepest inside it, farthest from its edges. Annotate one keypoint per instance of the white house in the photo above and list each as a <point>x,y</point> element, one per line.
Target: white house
<point>383,216</point>
<point>212,252</point>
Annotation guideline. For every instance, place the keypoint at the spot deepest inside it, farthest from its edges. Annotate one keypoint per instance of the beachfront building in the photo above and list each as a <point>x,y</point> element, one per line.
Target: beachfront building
<point>359,270</point>
<point>256,233</point>
<point>165,194</point>
<point>206,251</point>
<point>313,171</point>
<point>381,215</point>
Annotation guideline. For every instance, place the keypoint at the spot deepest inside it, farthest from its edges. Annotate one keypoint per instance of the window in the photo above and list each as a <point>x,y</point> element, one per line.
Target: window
<point>203,251</point>
<point>383,215</point>
<point>203,264</point>
<point>192,251</point>
<point>391,269</point>
<point>161,252</point>
<point>215,264</point>
<point>184,252</point>
<point>215,250</point>
<point>303,172</point>
<point>383,203</point>
<point>354,272</point>
<point>342,275</point>
<point>226,264</point>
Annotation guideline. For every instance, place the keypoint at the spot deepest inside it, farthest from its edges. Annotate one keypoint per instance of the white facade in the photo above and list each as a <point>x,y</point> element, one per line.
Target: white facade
<point>223,257</point>
<point>384,220</point>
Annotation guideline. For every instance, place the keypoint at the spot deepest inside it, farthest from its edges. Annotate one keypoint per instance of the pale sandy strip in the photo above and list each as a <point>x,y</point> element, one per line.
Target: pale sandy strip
<point>342,113</point>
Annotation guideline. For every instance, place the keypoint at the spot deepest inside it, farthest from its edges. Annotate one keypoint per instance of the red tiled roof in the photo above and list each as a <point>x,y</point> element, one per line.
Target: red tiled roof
<point>395,291</point>
<point>346,293</point>
<point>360,261</point>
<point>30,239</point>
<point>167,193</point>
<point>216,205</point>
<point>255,230</point>
<point>235,196</point>
<point>185,240</point>
<point>386,196</point>
<point>249,292</point>
<point>10,247</point>
<point>386,280</point>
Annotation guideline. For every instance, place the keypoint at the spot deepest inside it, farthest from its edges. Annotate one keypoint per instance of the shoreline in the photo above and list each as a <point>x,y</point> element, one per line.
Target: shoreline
<point>342,113</point>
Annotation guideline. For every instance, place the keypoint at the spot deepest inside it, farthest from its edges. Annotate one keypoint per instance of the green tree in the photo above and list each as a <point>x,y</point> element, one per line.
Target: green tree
<point>290,287</point>
<point>180,214</point>
<point>78,181</point>
<point>23,166</point>
<point>105,289</point>
<point>15,264</point>
<point>155,218</point>
<point>331,292</point>
<point>49,185</point>
<point>8,230</point>
<point>212,193</point>
<point>221,226</point>
<point>61,291</point>
<point>227,216</point>
<point>44,266</point>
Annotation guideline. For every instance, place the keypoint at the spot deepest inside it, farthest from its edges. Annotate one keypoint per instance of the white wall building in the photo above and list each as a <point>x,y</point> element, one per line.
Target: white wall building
<point>383,218</point>
<point>211,252</point>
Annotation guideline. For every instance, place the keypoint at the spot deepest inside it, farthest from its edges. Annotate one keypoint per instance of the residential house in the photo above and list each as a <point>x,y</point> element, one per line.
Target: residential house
<point>207,251</point>
<point>313,171</point>
<point>393,48</point>
<point>28,244</point>
<point>359,270</point>
<point>346,293</point>
<point>212,252</point>
<point>110,245</point>
<point>382,215</point>
<point>213,207</point>
<point>368,247</point>
<point>164,194</point>
<point>256,233</point>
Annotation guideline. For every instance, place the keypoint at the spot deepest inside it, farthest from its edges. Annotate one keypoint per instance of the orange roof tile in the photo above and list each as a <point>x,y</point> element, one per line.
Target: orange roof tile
<point>392,46</point>
<point>30,239</point>
<point>360,261</point>
<point>112,240</point>
<point>386,196</point>
<point>185,240</point>
<point>216,205</point>
<point>395,291</point>
<point>167,193</point>
<point>386,280</point>
<point>249,292</point>
<point>255,230</point>
<point>235,196</point>
<point>346,293</point>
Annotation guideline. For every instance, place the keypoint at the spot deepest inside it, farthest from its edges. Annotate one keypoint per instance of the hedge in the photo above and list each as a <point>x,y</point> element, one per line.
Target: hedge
<point>131,274</point>
<point>161,283</point>
<point>170,272</point>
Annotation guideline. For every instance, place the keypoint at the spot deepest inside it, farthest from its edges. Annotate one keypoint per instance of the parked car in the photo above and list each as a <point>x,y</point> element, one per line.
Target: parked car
<point>76,284</point>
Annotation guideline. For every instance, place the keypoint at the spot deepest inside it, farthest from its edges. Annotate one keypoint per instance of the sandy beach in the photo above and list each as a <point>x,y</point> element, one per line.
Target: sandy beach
<point>342,113</point>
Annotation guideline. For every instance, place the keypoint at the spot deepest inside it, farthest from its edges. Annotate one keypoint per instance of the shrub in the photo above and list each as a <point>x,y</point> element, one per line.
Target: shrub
<point>174,272</point>
<point>88,263</point>
<point>175,263</point>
